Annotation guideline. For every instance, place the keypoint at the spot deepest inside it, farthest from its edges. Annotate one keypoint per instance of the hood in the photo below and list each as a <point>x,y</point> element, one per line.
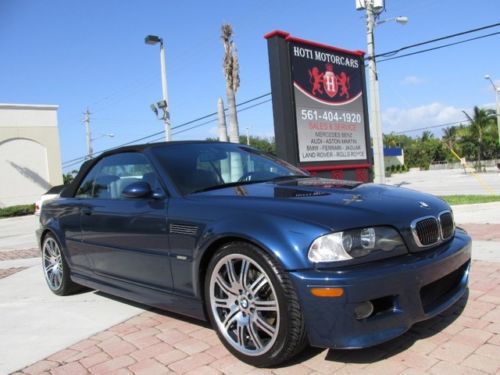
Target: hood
<point>334,204</point>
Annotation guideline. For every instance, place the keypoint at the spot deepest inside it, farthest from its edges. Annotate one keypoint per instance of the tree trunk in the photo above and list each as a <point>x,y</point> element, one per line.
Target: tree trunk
<point>234,134</point>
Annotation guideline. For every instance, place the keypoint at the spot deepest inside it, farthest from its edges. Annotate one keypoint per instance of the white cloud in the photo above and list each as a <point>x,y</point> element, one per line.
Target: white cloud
<point>397,120</point>
<point>412,81</point>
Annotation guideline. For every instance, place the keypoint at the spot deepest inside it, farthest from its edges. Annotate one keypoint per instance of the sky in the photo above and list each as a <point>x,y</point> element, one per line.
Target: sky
<point>91,54</point>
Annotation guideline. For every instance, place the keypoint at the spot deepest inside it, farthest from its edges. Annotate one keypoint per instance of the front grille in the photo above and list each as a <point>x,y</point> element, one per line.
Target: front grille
<point>432,230</point>
<point>447,225</point>
<point>427,231</point>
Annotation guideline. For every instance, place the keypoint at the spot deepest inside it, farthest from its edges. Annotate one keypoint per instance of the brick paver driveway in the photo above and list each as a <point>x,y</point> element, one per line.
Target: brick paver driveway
<point>463,340</point>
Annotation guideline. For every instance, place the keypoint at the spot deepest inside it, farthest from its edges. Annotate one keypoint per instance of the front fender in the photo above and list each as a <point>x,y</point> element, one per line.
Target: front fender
<point>287,240</point>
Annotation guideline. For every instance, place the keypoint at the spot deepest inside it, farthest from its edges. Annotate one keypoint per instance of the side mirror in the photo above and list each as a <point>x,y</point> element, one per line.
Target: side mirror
<point>140,189</point>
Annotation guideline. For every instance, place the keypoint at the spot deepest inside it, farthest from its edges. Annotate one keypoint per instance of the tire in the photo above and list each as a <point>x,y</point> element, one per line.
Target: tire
<point>55,268</point>
<point>253,306</point>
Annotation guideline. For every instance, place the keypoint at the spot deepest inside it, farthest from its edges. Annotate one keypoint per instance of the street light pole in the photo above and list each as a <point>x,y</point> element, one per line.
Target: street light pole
<point>153,39</point>
<point>164,89</point>
<point>497,93</point>
<point>375,120</point>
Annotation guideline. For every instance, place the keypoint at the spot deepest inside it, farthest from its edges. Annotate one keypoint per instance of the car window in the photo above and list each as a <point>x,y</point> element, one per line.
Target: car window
<point>113,174</point>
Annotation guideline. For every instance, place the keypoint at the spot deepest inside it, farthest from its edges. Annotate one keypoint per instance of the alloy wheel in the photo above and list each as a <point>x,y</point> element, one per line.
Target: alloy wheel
<point>244,304</point>
<point>52,263</point>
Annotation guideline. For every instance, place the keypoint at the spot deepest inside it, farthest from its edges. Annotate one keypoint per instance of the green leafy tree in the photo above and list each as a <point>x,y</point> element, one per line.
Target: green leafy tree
<point>69,177</point>
<point>476,140</point>
<point>479,123</point>
<point>267,145</point>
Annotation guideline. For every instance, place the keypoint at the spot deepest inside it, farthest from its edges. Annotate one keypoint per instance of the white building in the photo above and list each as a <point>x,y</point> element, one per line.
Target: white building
<point>30,157</point>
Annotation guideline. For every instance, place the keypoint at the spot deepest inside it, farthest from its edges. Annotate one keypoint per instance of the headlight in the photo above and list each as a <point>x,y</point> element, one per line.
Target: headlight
<point>354,244</point>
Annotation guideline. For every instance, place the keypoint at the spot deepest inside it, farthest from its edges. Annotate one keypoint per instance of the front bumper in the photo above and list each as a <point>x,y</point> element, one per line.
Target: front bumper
<point>404,290</point>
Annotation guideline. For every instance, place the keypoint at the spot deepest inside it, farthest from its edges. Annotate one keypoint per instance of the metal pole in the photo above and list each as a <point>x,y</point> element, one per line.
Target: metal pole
<point>248,136</point>
<point>497,91</point>
<point>86,121</point>
<point>164,88</point>
<point>375,119</point>
<point>222,121</point>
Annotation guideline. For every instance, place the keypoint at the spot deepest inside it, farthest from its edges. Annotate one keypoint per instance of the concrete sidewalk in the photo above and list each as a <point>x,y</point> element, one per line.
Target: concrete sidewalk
<point>35,323</point>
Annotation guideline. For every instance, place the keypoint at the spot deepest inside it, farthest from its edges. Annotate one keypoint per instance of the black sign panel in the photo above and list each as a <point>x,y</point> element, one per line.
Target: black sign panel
<point>318,100</point>
<point>328,104</point>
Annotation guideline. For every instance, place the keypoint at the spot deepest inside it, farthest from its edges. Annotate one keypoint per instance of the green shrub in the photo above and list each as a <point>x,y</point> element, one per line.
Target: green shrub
<point>25,209</point>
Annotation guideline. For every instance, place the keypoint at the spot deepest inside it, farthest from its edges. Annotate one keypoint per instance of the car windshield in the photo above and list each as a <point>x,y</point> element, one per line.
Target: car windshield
<point>196,167</point>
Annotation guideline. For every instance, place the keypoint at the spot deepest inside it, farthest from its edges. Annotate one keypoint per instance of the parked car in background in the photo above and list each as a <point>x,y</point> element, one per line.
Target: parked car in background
<point>52,193</point>
<point>274,258</point>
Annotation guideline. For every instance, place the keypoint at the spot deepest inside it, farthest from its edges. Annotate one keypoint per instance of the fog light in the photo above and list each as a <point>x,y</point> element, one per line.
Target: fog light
<point>363,310</point>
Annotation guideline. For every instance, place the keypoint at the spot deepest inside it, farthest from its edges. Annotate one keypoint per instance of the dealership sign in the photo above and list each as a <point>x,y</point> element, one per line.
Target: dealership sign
<point>319,102</point>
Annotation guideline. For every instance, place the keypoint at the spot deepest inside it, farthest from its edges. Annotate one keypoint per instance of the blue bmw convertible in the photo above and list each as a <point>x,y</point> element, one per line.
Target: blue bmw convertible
<point>274,258</point>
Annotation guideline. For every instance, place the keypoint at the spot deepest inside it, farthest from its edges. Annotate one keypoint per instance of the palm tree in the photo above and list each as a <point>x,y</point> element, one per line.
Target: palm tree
<point>231,74</point>
<point>479,123</point>
<point>450,136</point>
<point>427,135</point>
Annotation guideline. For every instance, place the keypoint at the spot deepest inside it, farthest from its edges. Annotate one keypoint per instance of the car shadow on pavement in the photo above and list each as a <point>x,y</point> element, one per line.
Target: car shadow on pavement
<point>155,310</point>
<point>420,331</point>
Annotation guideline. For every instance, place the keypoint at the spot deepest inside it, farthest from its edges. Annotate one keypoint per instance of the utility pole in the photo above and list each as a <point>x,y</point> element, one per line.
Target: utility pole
<point>375,119</point>
<point>248,136</point>
<point>222,121</point>
<point>86,121</point>
<point>373,10</point>
<point>497,93</point>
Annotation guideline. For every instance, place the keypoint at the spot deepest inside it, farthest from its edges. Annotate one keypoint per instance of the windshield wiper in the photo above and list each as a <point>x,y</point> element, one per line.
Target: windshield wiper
<point>237,183</point>
<point>222,186</point>
<point>292,176</point>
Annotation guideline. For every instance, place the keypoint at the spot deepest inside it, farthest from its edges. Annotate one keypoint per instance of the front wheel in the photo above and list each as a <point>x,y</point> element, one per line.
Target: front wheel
<point>253,306</point>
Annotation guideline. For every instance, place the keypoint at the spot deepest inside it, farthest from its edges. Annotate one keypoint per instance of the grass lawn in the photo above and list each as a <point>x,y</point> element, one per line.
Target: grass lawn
<point>25,209</point>
<point>470,199</point>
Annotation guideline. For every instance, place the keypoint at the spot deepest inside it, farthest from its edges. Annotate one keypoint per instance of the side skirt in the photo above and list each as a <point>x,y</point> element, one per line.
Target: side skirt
<point>163,300</point>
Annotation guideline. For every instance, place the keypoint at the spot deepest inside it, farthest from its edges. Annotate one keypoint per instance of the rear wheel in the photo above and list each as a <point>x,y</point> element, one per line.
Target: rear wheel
<point>55,268</point>
<point>253,306</point>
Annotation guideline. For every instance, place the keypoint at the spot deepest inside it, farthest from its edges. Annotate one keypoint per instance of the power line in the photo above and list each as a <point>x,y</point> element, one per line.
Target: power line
<point>429,127</point>
<point>393,52</point>
<point>440,47</point>
<point>389,53</point>
<point>78,160</point>
<point>211,121</point>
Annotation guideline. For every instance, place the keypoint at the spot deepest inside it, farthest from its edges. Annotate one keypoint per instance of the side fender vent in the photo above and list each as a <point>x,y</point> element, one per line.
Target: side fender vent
<point>188,230</point>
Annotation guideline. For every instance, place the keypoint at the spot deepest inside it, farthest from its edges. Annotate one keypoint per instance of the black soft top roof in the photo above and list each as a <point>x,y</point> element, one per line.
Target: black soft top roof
<point>70,190</point>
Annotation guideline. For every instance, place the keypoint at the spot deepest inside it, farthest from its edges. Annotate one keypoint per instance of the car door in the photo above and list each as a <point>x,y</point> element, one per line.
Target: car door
<point>126,238</point>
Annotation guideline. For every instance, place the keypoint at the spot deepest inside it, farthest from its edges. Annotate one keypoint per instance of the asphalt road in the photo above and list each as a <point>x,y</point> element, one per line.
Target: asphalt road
<point>449,182</point>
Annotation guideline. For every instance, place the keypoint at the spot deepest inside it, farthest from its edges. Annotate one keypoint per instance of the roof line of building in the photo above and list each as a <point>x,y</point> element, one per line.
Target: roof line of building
<point>27,106</point>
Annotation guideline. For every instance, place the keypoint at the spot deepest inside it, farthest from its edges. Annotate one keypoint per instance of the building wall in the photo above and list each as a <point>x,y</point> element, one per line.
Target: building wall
<point>30,157</point>
<point>394,156</point>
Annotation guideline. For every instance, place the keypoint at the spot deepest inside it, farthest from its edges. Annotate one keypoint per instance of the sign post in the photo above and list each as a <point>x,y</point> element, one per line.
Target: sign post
<point>319,107</point>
